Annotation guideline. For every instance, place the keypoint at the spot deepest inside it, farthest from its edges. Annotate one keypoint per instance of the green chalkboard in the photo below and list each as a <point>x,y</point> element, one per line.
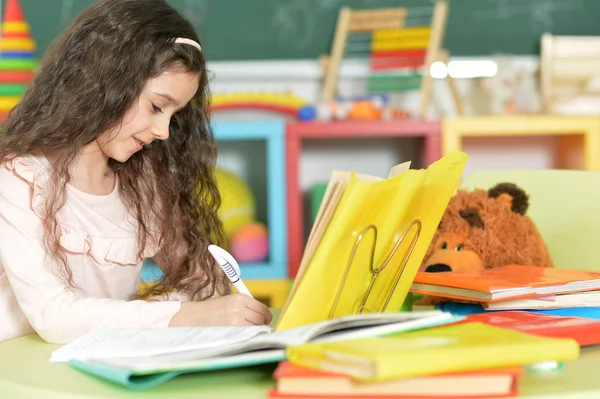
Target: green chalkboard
<point>301,29</point>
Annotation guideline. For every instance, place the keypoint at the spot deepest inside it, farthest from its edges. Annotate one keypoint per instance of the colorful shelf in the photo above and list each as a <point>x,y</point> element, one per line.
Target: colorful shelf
<point>580,133</point>
<point>272,273</point>
<point>299,131</point>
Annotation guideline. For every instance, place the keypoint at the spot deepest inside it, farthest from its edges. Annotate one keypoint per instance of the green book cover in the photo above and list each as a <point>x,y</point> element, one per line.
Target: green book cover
<point>149,378</point>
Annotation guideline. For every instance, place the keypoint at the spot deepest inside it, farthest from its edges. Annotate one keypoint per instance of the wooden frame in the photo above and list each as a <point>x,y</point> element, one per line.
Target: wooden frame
<point>273,135</point>
<point>344,130</point>
<point>573,131</point>
<point>353,21</point>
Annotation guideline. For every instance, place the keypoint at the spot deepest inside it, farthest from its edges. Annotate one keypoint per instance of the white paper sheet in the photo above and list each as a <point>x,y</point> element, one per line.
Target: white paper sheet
<point>133,342</point>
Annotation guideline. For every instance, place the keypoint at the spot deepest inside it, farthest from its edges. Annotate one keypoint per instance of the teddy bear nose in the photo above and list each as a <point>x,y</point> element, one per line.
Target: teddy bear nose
<point>438,267</point>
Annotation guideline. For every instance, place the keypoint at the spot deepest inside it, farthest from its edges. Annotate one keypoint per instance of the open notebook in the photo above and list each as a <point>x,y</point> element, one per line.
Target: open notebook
<point>140,358</point>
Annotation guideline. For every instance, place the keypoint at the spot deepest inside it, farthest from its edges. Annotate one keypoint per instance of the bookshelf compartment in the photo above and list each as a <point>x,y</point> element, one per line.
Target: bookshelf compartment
<point>262,144</point>
<point>299,133</point>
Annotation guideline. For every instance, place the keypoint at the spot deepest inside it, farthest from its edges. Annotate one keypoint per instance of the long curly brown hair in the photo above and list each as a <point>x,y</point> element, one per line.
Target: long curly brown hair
<point>86,82</point>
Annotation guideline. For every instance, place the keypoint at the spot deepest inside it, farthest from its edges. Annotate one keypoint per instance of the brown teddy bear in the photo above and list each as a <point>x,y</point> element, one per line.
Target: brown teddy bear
<point>485,229</point>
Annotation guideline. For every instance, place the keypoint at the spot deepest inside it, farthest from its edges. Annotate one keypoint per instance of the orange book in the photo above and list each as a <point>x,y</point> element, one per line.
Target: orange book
<point>583,330</point>
<point>504,283</point>
<point>294,381</point>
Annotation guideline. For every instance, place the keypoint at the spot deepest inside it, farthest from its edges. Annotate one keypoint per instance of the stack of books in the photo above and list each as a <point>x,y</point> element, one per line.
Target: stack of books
<point>295,382</point>
<point>514,287</point>
<point>481,355</point>
<point>466,359</point>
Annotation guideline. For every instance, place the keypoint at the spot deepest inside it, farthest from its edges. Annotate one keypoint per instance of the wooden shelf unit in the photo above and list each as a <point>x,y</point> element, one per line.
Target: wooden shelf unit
<point>270,278</point>
<point>299,131</point>
<point>572,131</point>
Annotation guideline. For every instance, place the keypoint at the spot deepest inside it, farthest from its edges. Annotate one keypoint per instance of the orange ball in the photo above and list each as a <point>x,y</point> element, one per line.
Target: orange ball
<point>364,110</point>
<point>250,243</point>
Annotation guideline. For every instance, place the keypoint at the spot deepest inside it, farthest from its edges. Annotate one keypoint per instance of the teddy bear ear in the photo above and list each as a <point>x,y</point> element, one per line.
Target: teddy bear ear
<point>472,217</point>
<point>510,195</point>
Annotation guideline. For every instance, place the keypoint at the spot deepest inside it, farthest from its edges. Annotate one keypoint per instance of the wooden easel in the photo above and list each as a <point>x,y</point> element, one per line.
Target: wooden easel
<point>355,21</point>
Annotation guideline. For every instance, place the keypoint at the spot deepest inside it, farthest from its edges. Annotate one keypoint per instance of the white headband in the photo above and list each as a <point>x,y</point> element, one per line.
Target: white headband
<point>191,42</point>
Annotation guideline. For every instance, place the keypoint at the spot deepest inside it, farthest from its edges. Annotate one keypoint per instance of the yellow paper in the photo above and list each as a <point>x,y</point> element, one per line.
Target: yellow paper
<point>390,205</point>
<point>458,348</point>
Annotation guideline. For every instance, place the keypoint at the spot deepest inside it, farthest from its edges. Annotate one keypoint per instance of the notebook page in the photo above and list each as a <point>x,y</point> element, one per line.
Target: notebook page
<point>399,169</point>
<point>162,364</point>
<point>335,329</point>
<point>351,326</point>
<point>140,342</point>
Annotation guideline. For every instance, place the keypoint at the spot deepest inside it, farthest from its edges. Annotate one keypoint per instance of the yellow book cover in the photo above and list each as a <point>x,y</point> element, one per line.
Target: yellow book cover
<point>456,348</point>
<point>363,257</point>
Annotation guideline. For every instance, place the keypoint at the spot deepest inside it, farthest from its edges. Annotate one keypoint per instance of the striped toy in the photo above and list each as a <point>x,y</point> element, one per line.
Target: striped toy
<point>17,57</point>
<point>396,56</point>
<point>397,42</point>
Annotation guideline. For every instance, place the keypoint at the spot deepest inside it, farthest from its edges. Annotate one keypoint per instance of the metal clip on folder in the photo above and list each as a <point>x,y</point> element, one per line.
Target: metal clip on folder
<point>375,271</point>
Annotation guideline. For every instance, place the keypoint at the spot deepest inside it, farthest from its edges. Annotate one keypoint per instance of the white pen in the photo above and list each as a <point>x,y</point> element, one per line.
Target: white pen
<point>230,267</point>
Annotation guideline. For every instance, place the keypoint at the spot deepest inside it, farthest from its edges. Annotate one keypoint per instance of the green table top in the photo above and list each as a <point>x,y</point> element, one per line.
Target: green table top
<point>25,373</point>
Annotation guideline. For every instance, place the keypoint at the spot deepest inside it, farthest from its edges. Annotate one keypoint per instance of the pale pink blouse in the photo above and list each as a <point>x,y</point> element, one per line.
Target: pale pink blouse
<point>99,239</point>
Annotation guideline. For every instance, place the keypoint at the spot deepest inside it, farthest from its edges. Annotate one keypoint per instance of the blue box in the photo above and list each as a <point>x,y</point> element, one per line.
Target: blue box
<point>273,134</point>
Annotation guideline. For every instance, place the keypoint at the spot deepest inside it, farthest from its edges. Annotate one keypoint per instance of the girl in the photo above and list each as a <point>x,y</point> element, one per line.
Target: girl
<point>107,160</point>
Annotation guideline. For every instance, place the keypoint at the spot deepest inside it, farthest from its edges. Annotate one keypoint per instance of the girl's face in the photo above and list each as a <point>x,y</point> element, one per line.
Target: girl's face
<point>149,119</point>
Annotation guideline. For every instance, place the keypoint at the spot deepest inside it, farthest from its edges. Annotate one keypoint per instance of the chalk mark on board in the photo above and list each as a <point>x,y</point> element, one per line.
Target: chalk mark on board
<point>295,22</point>
<point>195,11</point>
<point>541,11</point>
<point>65,12</point>
<point>327,4</point>
<point>543,16</point>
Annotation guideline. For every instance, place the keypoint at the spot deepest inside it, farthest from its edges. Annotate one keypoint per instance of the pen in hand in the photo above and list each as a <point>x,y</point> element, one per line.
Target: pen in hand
<point>230,267</point>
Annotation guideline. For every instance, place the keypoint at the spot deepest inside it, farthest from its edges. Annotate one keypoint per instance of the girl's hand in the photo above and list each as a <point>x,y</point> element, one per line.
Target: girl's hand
<point>229,310</point>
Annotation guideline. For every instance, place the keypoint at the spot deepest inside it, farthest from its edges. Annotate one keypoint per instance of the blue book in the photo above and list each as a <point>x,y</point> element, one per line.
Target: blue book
<point>465,309</point>
<point>142,358</point>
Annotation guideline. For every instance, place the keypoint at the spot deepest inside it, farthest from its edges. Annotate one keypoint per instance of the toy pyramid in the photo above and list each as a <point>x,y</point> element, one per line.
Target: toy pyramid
<point>17,56</point>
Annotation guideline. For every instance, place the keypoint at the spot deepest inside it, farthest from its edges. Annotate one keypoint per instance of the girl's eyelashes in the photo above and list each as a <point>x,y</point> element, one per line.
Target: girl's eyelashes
<point>156,108</point>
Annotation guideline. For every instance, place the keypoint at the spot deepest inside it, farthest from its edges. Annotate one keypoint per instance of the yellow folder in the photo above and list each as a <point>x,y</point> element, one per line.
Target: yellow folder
<point>368,241</point>
<point>457,348</point>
